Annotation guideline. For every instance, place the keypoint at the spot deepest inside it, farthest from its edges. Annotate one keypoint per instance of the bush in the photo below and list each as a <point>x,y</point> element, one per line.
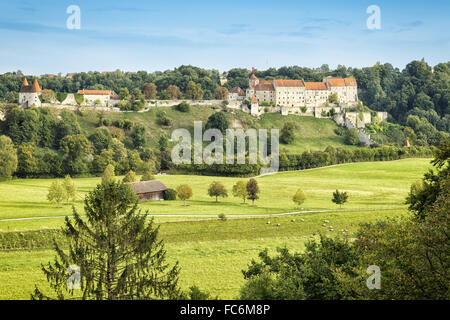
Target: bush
<point>183,107</point>
<point>170,195</point>
<point>79,98</point>
<point>61,96</point>
<point>222,217</point>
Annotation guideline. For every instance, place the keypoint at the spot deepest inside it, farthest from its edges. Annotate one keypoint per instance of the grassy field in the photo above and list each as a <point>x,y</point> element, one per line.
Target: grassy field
<point>370,185</point>
<point>212,253</point>
<point>311,134</point>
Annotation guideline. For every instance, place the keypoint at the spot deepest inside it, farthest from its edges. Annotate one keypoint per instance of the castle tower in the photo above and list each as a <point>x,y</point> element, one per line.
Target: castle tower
<point>253,81</point>
<point>29,94</point>
<point>254,106</point>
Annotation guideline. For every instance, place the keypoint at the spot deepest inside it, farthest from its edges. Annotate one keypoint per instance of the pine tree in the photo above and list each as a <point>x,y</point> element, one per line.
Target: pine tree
<point>130,177</point>
<point>109,174</point>
<point>116,249</point>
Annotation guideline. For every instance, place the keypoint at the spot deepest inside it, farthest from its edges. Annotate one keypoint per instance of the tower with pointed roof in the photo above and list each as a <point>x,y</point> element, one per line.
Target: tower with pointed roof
<point>29,94</point>
<point>253,81</point>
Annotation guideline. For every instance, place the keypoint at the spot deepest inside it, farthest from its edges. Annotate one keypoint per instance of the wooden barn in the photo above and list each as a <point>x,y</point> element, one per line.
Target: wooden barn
<point>149,190</point>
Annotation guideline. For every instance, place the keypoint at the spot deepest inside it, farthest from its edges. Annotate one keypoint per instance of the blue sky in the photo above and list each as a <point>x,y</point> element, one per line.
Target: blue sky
<point>158,35</point>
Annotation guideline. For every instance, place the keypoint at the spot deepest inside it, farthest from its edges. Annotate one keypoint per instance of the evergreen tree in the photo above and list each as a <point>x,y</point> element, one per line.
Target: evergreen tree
<point>116,250</point>
<point>339,198</point>
<point>130,177</point>
<point>109,174</point>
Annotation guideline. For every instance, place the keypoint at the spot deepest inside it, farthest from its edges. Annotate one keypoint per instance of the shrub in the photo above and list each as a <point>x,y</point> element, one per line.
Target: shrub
<point>170,195</point>
<point>79,98</point>
<point>61,96</point>
<point>222,217</point>
<point>183,107</point>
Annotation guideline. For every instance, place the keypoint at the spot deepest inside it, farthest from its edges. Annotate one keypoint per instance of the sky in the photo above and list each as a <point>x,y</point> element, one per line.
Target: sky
<point>157,35</point>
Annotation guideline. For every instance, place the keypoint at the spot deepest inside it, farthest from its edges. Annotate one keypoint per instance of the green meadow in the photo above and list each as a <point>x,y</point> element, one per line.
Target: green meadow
<point>212,253</point>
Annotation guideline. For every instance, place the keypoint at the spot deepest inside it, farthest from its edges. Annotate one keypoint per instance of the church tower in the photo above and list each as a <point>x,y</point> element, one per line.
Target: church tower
<point>29,94</point>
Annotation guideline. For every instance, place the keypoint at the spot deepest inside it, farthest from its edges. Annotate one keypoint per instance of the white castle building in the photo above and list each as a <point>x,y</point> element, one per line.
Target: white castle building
<point>298,93</point>
<point>29,94</point>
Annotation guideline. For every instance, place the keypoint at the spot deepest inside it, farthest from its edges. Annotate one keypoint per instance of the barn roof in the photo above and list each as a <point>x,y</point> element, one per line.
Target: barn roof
<point>148,186</point>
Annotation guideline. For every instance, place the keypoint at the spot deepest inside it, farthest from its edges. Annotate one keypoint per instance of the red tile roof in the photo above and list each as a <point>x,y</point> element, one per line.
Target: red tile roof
<point>289,83</point>
<point>341,82</point>
<point>254,100</point>
<point>238,90</point>
<point>316,86</point>
<point>95,92</point>
<point>265,85</point>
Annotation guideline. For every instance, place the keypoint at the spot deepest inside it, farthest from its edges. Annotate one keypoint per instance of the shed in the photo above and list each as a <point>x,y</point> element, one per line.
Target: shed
<point>149,190</point>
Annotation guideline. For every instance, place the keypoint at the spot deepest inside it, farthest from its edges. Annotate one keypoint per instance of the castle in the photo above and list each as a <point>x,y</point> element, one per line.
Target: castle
<point>29,94</point>
<point>292,94</point>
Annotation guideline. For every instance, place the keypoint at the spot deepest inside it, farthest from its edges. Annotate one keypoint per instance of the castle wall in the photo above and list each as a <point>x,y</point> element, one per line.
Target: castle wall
<point>290,96</point>
<point>89,99</point>
<point>28,99</point>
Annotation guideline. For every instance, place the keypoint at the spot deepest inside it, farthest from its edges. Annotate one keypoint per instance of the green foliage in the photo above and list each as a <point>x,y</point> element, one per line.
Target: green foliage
<point>287,135</point>
<point>299,197</point>
<point>79,98</point>
<point>56,193</point>
<point>61,96</point>
<point>252,190</point>
<point>170,195</point>
<point>218,121</point>
<point>194,91</point>
<point>8,158</point>
<point>183,107</point>
<point>240,190</point>
<point>423,194</point>
<point>333,98</point>
<point>108,175</point>
<point>76,150</point>
<point>339,198</point>
<point>69,189</point>
<point>139,136</point>
<point>217,189</point>
<point>312,275</point>
<point>101,139</point>
<point>184,192</point>
<point>351,137</point>
<point>130,177</point>
<point>116,249</point>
